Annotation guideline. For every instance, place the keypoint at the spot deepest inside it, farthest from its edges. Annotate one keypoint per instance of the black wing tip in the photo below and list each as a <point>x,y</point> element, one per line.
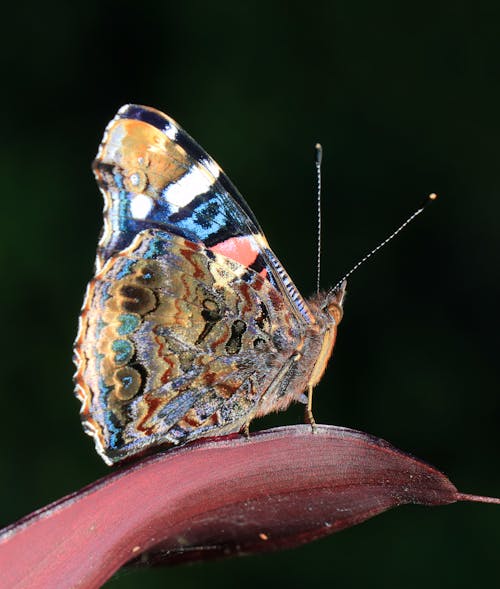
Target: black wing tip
<point>147,114</point>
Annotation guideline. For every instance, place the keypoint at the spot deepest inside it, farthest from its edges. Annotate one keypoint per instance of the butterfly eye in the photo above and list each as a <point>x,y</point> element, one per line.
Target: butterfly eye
<point>336,312</point>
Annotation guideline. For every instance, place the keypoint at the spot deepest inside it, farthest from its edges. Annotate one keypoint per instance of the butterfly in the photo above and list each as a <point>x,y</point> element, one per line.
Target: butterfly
<point>191,326</point>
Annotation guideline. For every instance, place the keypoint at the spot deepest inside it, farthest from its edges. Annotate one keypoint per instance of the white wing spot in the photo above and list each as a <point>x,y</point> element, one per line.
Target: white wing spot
<point>140,206</point>
<point>170,131</point>
<point>211,166</point>
<point>189,186</point>
<point>135,179</point>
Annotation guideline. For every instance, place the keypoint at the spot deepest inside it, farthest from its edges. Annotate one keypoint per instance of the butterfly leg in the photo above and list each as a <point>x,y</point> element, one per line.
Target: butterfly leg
<point>309,417</point>
<point>245,430</point>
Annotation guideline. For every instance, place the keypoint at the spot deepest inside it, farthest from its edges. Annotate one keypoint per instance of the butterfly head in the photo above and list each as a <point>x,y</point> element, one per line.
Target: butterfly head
<point>333,303</point>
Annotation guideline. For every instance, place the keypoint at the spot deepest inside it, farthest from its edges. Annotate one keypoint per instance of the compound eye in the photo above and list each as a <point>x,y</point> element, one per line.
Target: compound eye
<point>336,312</point>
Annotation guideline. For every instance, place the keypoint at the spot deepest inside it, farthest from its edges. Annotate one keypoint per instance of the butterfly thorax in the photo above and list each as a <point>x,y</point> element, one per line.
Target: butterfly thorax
<point>308,358</point>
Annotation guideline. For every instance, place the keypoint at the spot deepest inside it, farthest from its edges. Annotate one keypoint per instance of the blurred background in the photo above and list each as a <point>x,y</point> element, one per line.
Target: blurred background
<point>404,98</point>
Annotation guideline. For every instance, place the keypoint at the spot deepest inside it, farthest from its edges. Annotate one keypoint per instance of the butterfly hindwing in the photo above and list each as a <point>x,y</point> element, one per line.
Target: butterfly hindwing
<point>179,341</point>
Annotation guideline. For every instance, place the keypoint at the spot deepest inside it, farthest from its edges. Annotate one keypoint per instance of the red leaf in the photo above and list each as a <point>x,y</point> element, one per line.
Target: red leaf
<point>216,498</point>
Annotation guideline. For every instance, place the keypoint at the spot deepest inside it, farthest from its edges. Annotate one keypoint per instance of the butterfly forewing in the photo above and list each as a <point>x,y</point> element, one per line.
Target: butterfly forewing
<point>153,174</point>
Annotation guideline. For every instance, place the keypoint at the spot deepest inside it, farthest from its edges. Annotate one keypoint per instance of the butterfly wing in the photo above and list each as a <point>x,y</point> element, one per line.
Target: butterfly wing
<point>154,175</point>
<point>177,341</point>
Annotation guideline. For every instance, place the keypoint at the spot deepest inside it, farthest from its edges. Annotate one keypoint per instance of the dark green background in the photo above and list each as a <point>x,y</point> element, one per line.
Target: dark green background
<point>405,99</point>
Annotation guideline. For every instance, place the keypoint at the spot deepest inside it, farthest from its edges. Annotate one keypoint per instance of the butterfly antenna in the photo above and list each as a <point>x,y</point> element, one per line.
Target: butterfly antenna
<point>432,197</point>
<point>319,157</point>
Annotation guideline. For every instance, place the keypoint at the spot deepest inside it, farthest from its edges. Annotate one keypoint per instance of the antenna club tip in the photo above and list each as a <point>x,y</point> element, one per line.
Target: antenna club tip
<point>433,196</point>
<point>319,153</point>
